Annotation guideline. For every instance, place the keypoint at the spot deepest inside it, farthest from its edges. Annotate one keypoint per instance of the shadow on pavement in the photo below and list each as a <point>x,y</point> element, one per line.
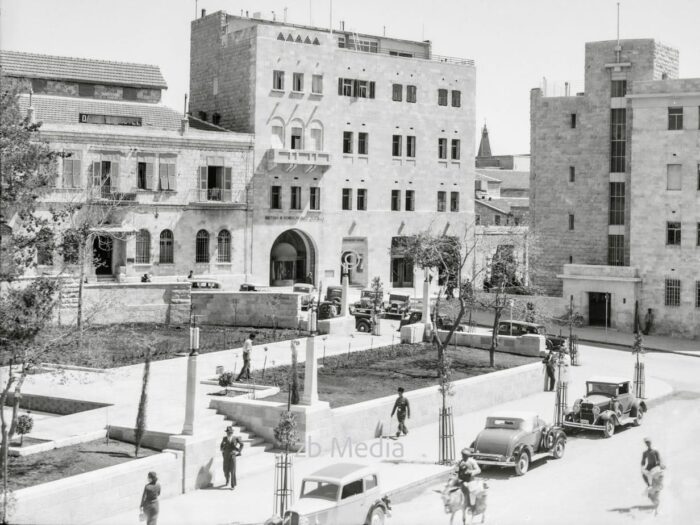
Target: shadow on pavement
<point>627,510</point>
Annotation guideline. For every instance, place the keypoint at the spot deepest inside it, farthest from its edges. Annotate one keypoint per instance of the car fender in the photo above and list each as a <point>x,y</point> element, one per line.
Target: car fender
<point>639,403</point>
<point>519,448</point>
<point>609,414</point>
<point>381,504</point>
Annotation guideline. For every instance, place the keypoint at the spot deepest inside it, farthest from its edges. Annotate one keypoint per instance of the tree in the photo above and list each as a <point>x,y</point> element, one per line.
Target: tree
<point>140,429</point>
<point>377,288</point>
<point>25,423</point>
<point>294,377</point>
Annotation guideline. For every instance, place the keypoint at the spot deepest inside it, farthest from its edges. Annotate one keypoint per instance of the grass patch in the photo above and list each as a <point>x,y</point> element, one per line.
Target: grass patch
<point>59,463</point>
<point>361,376</point>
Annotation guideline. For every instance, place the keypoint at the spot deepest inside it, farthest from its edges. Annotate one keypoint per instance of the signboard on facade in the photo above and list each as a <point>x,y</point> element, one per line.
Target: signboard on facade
<point>301,218</point>
<point>112,120</point>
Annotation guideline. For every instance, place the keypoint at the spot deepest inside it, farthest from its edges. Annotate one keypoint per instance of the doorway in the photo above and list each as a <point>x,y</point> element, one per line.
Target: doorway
<point>599,309</point>
<point>102,248</point>
<point>401,272</point>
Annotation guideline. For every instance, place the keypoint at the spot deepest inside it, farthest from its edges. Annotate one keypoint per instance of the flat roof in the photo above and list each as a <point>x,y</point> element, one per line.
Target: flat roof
<point>515,414</point>
<point>339,471</point>
<point>607,379</point>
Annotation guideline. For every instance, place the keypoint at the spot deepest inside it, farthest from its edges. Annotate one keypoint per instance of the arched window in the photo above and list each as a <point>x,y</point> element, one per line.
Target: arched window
<point>277,134</point>
<point>44,247</point>
<point>202,248</point>
<point>315,136</point>
<point>280,37</point>
<point>143,247</point>
<point>166,247</point>
<point>223,245</point>
<point>296,134</point>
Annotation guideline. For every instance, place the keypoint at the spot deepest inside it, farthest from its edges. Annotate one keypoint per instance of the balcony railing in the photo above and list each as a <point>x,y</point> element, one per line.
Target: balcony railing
<point>217,196</point>
<point>289,159</point>
<point>423,54</point>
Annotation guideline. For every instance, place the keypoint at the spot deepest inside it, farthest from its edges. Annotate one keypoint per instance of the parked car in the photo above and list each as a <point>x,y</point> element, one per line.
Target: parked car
<point>308,294</point>
<point>397,305</point>
<point>517,328</point>
<point>416,316</point>
<point>516,439</point>
<point>340,494</point>
<point>205,283</point>
<point>334,294</point>
<point>366,303</point>
<point>363,320</point>
<point>250,287</point>
<point>608,403</point>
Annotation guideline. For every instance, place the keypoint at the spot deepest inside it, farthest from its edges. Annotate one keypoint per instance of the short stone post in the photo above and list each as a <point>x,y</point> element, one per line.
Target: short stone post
<point>310,396</point>
<point>344,297</point>
<point>191,393</point>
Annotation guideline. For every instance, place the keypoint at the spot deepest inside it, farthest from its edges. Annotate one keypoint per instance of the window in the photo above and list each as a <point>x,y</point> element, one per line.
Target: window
<point>618,139</point>
<point>166,247</point>
<point>215,86</point>
<point>571,221</point>
<point>441,200</point>
<point>370,482</point>
<point>697,243</point>
<point>396,145</point>
<point>143,247</point>
<point>456,99</point>
<point>297,134</point>
<point>143,173</point>
<point>442,148</point>
<point>618,88</point>
<point>697,294</point>
<point>361,88</point>
<point>675,118</point>
<point>410,146</point>
<point>223,247</point>
<point>295,200</point>
<point>214,183</point>
<point>572,174</point>
<point>348,87</point>
<point>277,137</point>
<point>39,85</point>
<point>673,233</point>
<point>216,119</point>
<point>276,197</point>
<point>411,94</point>
<point>166,173</point>
<point>298,82</point>
<point>442,97</point>
<point>129,93</point>
<point>616,250</point>
<point>672,295</point>
<point>673,177</point>
<point>573,120</point>
<point>347,199</point>
<point>617,203</point>
<point>455,149</point>
<point>362,199</point>
<point>71,170</point>
<point>202,115</point>
<point>316,135</point>
<point>497,220</point>
<point>347,141</point>
<point>202,247</point>
<point>477,220</point>
<point>315,198</point>
<point>44,247</point>
<point>352,489</point>
<point>362,143</point>
<point>454,201</point>
<point>317,84</point>
<point>410,200</point>
<point>396,92</point>
<point>278,80</point>
<point>395,200</point>
<point>86,90</point>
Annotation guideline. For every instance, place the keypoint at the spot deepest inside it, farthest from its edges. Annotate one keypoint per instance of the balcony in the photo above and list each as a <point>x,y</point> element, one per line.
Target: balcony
<point>216,197</point>
<point>290,159</point>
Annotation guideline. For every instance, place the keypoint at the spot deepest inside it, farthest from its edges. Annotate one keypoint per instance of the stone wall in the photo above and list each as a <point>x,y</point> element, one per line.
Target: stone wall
<point>530,345</point>
<point>258,309</point>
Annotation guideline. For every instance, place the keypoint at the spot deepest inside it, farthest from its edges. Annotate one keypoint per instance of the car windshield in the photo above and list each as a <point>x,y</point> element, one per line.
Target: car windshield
<point>319,490</point>
<point>607,389</point>
<point>499,422</point>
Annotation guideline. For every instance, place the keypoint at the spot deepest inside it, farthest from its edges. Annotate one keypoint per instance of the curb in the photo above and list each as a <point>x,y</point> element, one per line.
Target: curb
<point>646,349</point>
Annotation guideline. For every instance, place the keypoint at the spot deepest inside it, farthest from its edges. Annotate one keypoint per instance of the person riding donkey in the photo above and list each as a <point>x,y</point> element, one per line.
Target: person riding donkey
<point>464,472</point>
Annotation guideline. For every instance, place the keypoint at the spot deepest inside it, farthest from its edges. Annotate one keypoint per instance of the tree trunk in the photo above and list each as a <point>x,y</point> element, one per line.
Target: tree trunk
<point>140,429</point>
<point>494,337</point>
<point>79,314</point>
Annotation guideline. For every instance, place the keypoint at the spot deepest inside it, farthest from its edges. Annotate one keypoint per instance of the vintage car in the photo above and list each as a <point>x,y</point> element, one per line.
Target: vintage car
<point>397,305</point>
<point>516,439</point>
<point>334,294</point>
<point>308,294</point>
<point>517,328</point>
<point>608,403</point>
<point>366,304</point>
<point>250,287</point>
<point>205,283</point>
<point>340,494</point>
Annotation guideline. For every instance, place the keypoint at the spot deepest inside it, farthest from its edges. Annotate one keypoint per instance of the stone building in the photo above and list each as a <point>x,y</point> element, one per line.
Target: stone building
<point>168,192</point>
<point>606,217</point>
<point>360,140</point>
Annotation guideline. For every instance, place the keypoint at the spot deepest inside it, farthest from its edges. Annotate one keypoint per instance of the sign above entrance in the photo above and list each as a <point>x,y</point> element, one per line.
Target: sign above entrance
<point>300,218</point>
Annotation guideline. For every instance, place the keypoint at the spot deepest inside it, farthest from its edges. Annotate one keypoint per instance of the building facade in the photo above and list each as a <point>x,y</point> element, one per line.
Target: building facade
<point>599,161</point>
<point>359,141</point>
<point>165,198</point>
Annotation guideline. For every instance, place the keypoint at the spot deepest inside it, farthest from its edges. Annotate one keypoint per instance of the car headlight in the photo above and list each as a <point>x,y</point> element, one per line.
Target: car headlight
<point>596,410</point>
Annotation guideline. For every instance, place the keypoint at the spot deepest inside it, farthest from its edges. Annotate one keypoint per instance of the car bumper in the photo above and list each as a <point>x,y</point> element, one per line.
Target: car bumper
<point>493,459</point>
<point>587,426</point>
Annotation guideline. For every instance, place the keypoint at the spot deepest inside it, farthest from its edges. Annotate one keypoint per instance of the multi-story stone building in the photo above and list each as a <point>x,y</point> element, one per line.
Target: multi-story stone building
<point>167,198</point>
<point>360,140</point>
<point>609,226</point>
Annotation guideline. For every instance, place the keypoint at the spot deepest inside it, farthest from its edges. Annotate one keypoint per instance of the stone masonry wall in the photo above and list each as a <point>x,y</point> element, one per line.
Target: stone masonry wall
<point>258,309</point>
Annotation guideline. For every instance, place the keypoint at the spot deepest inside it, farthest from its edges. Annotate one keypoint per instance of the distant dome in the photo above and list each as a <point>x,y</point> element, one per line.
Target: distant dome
<point>284,252</point>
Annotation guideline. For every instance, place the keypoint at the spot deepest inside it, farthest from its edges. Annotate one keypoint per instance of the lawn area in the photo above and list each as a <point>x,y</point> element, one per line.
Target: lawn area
<point>27,471</point>
<point>370,374</point>
<point>118,345</point>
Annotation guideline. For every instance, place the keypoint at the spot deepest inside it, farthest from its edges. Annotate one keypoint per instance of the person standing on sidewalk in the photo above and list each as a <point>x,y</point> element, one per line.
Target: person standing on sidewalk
<point>402,410</point>
<point>231,447</point>
<point>247,350</point>
<point>549,369</point>
<point>149,500</point>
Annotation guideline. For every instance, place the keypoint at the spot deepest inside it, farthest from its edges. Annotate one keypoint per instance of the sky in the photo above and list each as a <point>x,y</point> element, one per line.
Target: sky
<point>515,43</point>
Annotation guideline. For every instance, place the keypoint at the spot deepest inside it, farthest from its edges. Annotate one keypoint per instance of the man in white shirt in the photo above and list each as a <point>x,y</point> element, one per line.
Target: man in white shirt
<point>247,350</point>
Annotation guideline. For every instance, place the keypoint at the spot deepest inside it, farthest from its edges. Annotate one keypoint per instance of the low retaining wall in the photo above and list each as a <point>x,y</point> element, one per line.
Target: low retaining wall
<point>530,344</point>
<point>258,309</point>
<point>97,494</point>
<point>363,421</point>
<point>151,439</point>
<point>337,325</point>
<point>54,405</point>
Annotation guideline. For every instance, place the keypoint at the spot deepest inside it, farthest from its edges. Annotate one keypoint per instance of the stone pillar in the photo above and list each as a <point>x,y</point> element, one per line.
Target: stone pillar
<point>310,396</point>
<point>426,303</point>
<point>344,299</point>
<point>191,393</point>
<point>130,248</point>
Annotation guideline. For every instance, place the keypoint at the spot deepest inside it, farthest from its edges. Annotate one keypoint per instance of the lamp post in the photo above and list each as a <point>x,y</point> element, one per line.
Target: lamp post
<point>191,392</point>
<point>264,364</point>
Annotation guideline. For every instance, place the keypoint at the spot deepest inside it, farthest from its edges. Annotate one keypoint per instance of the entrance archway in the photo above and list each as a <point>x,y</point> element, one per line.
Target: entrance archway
<point>102,248</point>
<point>292,259</point>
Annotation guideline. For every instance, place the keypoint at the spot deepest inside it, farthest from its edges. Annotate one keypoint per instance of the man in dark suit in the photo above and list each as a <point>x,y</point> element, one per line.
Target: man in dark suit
<point>231,447</point>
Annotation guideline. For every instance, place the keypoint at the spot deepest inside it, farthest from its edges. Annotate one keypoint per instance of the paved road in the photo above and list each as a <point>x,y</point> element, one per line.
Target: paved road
<point>598,480</point>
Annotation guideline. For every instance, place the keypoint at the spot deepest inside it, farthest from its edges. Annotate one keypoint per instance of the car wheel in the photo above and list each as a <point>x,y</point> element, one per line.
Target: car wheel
<point>559,447</point>
<point>522,464</point>
<point>363,327</point>
<point>638,418</point>
<point>377,517</point>
<point>609,428</point>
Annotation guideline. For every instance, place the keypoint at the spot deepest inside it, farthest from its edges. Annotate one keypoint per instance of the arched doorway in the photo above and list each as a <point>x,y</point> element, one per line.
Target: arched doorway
<point>292,259</point>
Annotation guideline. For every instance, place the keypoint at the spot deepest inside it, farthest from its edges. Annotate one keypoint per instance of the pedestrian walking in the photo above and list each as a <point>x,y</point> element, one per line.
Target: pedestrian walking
<point>149,500</point>
<point>231,447</point>
<point>403,411</point>
<point>549,369</point>
<point>247,350</point>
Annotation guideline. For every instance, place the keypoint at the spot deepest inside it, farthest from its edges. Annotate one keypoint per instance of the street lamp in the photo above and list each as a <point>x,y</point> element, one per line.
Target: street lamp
<point>191,392</point>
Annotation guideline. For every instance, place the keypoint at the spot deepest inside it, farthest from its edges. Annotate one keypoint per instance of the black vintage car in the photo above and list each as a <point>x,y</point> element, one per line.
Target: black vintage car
<point>517,328</point>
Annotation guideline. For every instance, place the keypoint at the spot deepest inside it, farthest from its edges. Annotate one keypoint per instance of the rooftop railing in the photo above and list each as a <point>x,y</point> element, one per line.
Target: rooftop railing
<point>404,53</point>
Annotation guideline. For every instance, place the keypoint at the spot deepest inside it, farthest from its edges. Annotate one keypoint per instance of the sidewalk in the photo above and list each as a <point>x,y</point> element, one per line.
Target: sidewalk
<point>252,501</point>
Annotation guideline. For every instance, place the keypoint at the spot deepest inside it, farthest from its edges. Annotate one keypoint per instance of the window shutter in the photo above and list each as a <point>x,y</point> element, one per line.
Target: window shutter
<point>114,176</point>
<point>77,183</point>
<point>67,173</point>
<point>171,177</point>
<point>163,176</point>
<point>371,89</point>
<point>149,176</point>
<point>355,87</point>
<point>203,183</point>
<point>96,174</point>
<point>227,184</point>
<point>340,86</point>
